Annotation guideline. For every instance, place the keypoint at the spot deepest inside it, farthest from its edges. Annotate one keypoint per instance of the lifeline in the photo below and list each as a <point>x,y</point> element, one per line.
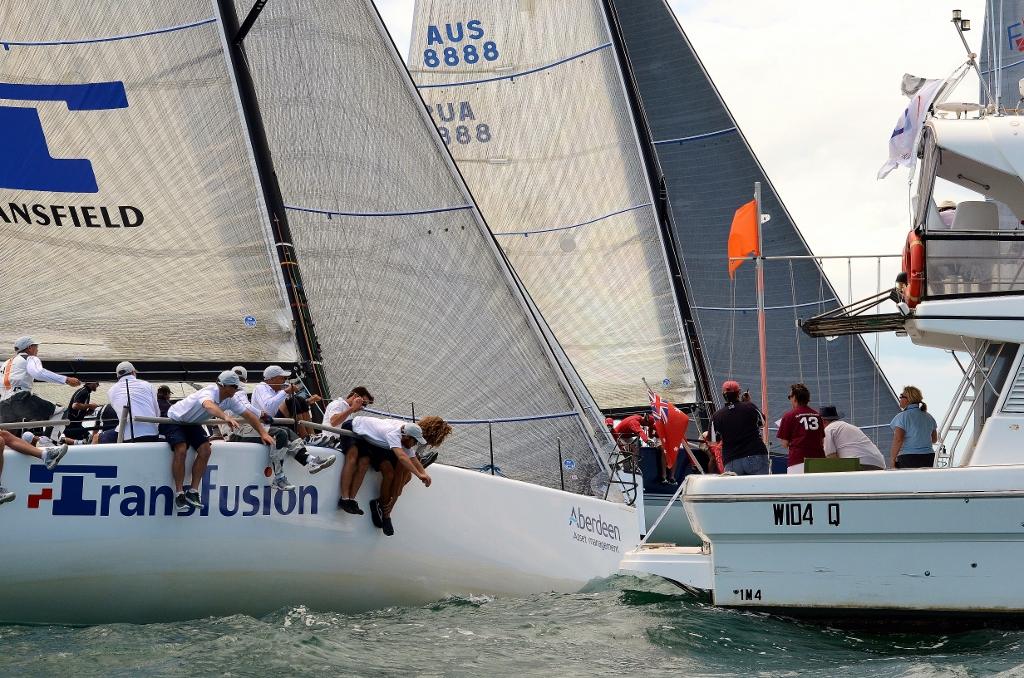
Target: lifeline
<point>125,216</point>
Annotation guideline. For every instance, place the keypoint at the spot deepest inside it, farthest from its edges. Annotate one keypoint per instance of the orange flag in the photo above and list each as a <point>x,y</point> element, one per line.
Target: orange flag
<point>743,236</point>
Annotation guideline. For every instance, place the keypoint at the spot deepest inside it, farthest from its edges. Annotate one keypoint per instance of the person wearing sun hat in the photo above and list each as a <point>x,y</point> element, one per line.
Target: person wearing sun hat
<point>947,213</point>
<point>738,426</point>
<point>843,440</point>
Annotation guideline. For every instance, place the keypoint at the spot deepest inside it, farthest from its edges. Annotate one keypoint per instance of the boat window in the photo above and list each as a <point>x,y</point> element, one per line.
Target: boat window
<point>961,262</point>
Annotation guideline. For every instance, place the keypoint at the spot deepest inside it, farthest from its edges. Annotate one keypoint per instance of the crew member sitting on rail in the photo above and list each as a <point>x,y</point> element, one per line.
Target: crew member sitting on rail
<point>50,456</point>
<point>801,430</point>
<point>268,397</point>
<point>17,402</point>
<point>140,400</point>
<point>215,400</point>
<point>391,445</point>
<point>339,411</point>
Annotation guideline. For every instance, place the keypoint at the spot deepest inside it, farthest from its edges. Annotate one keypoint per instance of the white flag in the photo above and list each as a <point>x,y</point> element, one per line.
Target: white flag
<point>903,142</point>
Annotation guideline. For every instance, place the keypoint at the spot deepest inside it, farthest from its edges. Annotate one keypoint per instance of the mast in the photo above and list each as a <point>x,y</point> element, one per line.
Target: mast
<point>309,347</point>
<point>762,339</point>
<point>657,181</point>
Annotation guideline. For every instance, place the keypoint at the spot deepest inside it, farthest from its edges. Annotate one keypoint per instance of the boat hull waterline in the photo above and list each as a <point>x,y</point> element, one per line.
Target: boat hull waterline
<point>98,540</point>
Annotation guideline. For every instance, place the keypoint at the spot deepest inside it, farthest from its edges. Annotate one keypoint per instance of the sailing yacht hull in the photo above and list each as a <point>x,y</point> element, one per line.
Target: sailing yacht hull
<point>97,540</point>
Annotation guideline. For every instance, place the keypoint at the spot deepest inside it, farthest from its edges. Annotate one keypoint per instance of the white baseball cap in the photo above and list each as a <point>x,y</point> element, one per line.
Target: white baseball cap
<point>242,373</point>
<point>414,431</point>
<point>229,378</point>
<point>124,367</point>
<point>24,342</point>
<point>275,371</point>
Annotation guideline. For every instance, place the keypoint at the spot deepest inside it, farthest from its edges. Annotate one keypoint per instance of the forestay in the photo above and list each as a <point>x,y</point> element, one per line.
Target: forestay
<point>529,99</point>
<point>709,172</point>
<point>132,223</point>
<point>403,279</point>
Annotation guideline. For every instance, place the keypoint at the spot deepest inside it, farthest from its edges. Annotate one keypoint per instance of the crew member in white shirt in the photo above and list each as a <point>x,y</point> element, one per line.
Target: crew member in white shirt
<point>339,414</point>
<point>392,447</point>
<point>140,399</point>
<point>845,441</point>
<point>17,403</point>
<point>214,401</point>
<point>268,397</point>
<point>50,456</point>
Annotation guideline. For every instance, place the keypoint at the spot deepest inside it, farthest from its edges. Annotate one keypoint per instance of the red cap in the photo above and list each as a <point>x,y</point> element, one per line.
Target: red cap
<point>731,387</point>
<point>608,421</point>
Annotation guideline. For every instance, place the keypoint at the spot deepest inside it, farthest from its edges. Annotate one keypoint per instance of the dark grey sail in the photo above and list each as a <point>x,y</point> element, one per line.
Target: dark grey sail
<point>708,171</point>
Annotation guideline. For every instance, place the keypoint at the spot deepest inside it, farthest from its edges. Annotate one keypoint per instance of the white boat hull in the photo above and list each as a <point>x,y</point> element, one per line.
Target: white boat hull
<point>83,549</point>
<point>675,527</point>
<point>929,541</point>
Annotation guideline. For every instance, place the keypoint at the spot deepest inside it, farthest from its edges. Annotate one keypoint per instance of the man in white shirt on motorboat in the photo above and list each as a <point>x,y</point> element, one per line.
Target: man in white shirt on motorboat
<point>845,441</point>
<point>17,376</point>
<point>214,401</point>
<point>139,398</point>
<point>392,447</point>
<point>267,398</point>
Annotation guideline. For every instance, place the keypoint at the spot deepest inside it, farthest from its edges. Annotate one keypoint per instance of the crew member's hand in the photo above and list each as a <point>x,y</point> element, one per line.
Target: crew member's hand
<point>92,406</point>
<point>358,403</point>
<point>74,381</point>
<point>232,422</point>
<point>266,438</point>
<point>292,388</point>
<point>313,399</point>
<point>425,478</point>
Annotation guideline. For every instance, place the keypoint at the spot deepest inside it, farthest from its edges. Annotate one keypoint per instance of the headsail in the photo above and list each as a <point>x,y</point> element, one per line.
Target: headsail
<point>530,101</point>
<point>132,223</point>
<point>709,171</point>
<point>403,279</point>
<point>1002,51</point>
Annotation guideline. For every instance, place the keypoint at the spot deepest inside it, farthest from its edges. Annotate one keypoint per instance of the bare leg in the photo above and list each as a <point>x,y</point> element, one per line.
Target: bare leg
<point>349,472</point>
<point>199,465</point>
<point>15,443</point>
<point>387,472</point>
<point>357,481</point>
<point>178,465</point>
<point>398,483</point>
<point>303,431</point>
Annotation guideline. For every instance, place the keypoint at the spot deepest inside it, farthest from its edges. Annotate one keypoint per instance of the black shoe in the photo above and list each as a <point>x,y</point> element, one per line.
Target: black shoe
<point>353,508</point>
<point>192,497</point>
<point>179,501</point>
<point>375,513</point>
<point>388,528</point>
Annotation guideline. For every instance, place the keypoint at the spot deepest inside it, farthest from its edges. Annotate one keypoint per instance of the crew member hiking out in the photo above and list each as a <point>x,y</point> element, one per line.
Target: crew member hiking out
<point>213,401</point>
<point>339,414</point>
<point>267,398</point>
<point>17,402</point>
<point>391,445</point>
<point>50,456</point>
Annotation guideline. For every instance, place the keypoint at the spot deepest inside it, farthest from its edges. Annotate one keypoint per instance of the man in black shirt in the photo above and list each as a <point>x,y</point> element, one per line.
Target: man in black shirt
<point>78,408</point>
<point>738,425</point>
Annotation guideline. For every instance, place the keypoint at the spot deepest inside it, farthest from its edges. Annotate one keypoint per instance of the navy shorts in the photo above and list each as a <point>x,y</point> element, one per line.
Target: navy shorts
<point>374,453</point>
<point>195,436</point>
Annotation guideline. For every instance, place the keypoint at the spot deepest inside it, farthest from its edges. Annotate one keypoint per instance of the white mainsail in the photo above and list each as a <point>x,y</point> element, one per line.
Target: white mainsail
<point>402,277</point>
<point>529,99</point>
<point>132,223</point>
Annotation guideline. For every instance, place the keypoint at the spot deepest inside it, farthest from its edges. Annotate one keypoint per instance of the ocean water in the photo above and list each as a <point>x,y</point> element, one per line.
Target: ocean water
<point>622,626</point>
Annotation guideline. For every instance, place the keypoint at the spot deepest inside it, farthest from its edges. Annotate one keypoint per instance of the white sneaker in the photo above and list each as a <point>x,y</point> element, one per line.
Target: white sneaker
<point>53,455</point>
<point>296,445</point>
<point>281,483</point>
<point>317,464</point>
<point>6,495</point>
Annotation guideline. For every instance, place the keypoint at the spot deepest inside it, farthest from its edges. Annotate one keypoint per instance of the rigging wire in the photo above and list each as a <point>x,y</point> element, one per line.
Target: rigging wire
<point>849,341</point>
<point>796,322</point>
<point>732,325</point>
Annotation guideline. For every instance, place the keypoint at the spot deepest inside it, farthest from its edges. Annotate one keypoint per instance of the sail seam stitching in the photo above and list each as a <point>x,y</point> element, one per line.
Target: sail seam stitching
<point>513,76</point>
<point>7,44</point>
<point>695,137</point>
<point>336,213</point>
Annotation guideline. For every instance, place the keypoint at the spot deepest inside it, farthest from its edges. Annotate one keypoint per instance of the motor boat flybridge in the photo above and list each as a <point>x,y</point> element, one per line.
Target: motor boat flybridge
<point>230,172</point>
<point>944,542</point>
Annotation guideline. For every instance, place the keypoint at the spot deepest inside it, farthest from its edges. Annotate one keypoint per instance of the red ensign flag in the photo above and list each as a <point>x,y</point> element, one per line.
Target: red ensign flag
<point>671,424</point>
<point>743,236</point>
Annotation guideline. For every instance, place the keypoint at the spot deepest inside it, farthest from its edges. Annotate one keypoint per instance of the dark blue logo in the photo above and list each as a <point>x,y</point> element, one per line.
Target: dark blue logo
<point>25,160</point>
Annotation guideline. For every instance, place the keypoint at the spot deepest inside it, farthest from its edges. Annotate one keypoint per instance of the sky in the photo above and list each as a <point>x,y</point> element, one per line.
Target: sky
<point>815,87</point>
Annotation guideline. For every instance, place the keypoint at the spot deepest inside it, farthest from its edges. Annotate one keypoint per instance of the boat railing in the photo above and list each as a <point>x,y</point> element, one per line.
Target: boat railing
<point>962,408</point>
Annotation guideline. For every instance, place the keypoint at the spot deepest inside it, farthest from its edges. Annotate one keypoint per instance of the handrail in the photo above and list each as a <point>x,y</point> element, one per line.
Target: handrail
<point>33,424</point>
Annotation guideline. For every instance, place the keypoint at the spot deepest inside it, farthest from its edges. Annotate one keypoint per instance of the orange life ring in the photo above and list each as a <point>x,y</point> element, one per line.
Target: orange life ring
<point>913,266</point>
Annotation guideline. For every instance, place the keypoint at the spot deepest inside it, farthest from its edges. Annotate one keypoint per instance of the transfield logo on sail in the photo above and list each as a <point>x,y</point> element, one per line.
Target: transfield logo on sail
<point>27,162</point>
<point>102,495</point>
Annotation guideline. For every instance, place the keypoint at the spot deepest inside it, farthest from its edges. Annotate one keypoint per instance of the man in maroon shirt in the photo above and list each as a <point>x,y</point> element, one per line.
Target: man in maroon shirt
<point>801,430</point>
